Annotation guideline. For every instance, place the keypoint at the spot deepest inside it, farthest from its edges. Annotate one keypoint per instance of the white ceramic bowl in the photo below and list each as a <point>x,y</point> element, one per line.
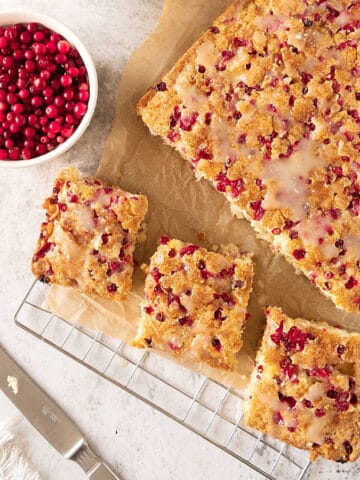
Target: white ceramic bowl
<point>20,16</point>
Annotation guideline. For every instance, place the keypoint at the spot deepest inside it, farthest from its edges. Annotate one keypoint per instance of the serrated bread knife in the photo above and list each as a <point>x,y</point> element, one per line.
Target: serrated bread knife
<point>49,419</point>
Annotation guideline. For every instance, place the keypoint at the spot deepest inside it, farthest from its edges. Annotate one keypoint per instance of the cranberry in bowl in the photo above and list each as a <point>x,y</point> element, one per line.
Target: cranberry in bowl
<point>48,88</point>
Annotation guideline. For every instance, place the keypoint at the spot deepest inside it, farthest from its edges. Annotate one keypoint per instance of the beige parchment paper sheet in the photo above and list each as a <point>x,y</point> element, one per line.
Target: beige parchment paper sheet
<point>181,207</point>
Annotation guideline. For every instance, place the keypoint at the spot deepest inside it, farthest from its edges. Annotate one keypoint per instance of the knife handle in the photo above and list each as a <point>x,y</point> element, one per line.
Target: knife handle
<point>103,472</point>
<point>92,465</point>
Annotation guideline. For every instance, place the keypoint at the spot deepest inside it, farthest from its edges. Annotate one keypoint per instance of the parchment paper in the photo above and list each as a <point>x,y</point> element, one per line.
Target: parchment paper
<point>181,207</point>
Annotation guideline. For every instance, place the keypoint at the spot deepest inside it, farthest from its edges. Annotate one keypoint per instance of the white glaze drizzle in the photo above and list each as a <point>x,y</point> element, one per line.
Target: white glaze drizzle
<point>271,23</point>
<point>315,430</point>
<point>206,55</point>
<point>286,179</point>
<point>314,229</point>
<point>191,96</point>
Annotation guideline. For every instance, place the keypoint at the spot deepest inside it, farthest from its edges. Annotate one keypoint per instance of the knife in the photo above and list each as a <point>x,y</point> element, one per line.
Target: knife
<point>50,421</point>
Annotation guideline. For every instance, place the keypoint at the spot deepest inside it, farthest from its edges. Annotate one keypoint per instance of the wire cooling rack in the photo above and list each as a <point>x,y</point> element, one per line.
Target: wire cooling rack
<point>204,406</point>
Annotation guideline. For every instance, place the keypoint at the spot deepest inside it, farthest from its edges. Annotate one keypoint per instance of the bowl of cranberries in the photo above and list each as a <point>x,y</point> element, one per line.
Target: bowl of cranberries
<point>48,88</point>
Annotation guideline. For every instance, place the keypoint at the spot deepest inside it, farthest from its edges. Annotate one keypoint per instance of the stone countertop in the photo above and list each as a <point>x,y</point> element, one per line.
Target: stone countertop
<point>138,442</point>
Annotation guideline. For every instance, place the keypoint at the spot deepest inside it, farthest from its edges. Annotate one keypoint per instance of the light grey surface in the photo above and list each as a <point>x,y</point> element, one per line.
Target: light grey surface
<point>137,441</point>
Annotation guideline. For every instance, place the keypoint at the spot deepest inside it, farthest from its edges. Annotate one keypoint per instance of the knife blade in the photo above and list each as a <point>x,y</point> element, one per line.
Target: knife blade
<point>50,421</point>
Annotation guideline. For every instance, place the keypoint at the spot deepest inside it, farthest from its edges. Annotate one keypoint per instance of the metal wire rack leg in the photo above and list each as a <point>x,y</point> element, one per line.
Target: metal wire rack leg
<point>198,403</point>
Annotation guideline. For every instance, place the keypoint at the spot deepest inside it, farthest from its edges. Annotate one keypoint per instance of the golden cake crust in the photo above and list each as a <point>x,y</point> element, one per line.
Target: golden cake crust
<point>304,388</point>
<point>266,106</point>
<point>195,302</point>
<point>89,236</point>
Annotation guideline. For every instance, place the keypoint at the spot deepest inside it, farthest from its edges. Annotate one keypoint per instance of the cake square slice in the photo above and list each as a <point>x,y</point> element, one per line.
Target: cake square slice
<point>89,235</point>
<point>265,106</point>
<point>195,302</point>
<point>304,388</point>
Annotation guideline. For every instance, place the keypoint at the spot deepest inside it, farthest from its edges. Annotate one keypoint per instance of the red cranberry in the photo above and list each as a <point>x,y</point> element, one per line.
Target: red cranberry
<point>104,236</point>
<point>185,321</point>
<point>36,102</point>
<point>290,370</point>
<point>29,132</point>
<point>320,412</point>
<point>59,102</point>
<point>112,287</point>
<point>201,265</point>
<point>17,108</point>
<point>11,98</point>
<point>299,254</point>
<point>10,33</point>
<point>351,283</point>
<point>83,86</point>
<point>161,87</point>
<point>48,91</point>
<point>341,403</point>
<point>278,419</point>
<point>55,37</point>
<point>24,94</point>
<point>294,339</point>
<point>54,127</point>
<point>73,72</point>
<point>39,49</point>
<point>348,447</point>
<point>68,94</point>
<point>41,149</point>
<point>160,317</point>
<point>259,211</point>
<point>83,96</point>
<point>27,153</point>
<point>51,47</point>
<point>187,122</point>
<point>80,110</point>
<point>218,314</point>
<point>216,344</point>
<point>307,403</point>
<point>67,132</point>
<point>214,30</point>
<point>14,153</point>
<point>321,372</point>
<point>289,400</point>
<point>353,399</point>
<point>38,36</point>
<point>155,273</point>
<point>63,47</point>
<point>332,394</point>
<point>51,111</point>
<point>66,80</point>
<point>188,250</point>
